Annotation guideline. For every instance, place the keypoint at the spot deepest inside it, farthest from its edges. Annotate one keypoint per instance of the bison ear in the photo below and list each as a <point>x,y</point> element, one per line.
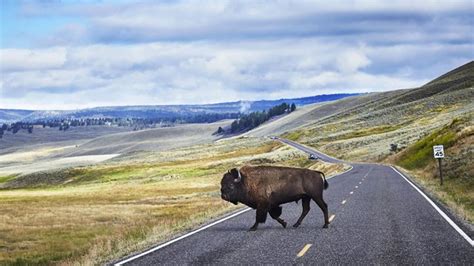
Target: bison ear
<point>236,174</point>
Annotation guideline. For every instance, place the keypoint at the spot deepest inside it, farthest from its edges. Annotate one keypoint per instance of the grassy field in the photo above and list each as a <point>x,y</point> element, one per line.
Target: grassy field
<point>23,141</point>
<point>48,149</point>
<point>91,215</point>
<point>458,189</point>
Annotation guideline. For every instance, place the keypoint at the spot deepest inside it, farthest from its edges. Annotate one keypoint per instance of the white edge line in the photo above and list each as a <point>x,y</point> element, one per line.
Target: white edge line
<point>181,237</point>
<point>446,217</point>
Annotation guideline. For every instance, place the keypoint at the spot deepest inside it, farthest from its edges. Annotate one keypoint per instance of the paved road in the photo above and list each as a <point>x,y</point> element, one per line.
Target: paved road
<point>379,218</point>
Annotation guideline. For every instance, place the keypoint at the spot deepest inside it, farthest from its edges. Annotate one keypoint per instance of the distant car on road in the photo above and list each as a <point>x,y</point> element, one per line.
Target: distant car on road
<point>313,157</point>
<point>273,137</point>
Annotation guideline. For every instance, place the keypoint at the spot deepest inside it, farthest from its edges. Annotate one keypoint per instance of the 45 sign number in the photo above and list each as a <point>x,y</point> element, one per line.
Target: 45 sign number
<point>438,151</point>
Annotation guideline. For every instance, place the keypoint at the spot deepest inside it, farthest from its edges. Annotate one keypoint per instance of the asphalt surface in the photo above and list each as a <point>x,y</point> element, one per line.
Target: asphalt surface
<point>379,218</point>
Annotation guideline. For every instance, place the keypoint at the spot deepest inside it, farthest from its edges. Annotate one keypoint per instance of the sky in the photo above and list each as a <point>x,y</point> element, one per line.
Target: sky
<point>78,54</point>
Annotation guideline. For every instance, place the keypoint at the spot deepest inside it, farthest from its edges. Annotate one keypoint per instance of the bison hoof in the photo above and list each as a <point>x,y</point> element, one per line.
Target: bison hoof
<point>253,228</point>
<point>296,225</point>
<point>283,224</point>
<point>325,226</point>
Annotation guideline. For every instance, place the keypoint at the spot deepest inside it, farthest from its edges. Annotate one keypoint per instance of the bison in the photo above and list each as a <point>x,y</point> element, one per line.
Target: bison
<point>265,188</point>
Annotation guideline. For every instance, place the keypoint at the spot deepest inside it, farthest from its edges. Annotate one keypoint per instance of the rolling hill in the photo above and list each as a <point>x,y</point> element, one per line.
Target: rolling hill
<point>363,127</point>
<point>165,112</point>
<point>10,115</point>
<point>150,140</point>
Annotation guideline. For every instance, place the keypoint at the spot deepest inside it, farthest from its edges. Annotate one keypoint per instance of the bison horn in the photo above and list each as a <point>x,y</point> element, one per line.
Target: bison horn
<point>239,178</point>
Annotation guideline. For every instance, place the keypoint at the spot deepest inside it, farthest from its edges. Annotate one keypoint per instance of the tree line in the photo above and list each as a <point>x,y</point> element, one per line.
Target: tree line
<point>242,122</point>
<point>15,127</point>
<point>252,120</point>
<point>135,123</point>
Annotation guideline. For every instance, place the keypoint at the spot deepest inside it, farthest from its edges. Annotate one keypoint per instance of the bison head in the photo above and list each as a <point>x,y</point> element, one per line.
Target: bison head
<point>231,186</point>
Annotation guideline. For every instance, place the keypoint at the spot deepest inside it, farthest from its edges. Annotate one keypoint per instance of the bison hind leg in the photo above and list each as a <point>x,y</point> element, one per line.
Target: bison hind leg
<point>275,214</point>
<point>306,207</point>
<point>324,208</point>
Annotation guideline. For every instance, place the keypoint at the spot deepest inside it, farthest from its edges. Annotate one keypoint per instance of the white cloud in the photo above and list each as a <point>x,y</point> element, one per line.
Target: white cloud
<point>351,61</point>
<point>207,51</point>
<point>23,59</point>
<point>202,72</point>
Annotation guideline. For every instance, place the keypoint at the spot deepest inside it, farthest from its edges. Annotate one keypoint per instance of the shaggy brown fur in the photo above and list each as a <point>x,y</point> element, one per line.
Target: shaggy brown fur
<point>265,188</point>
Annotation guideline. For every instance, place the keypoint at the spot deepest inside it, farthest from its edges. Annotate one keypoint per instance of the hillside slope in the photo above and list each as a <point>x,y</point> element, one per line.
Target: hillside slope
<point>458,173</point>
<point>363,127</point>
<point>312,113</point>
<point>11,115</point>
<point>150,140</point>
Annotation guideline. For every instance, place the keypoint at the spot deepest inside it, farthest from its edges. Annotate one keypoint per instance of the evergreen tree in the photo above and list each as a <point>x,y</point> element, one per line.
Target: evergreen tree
<point>293,107</point>
<point>254,119</point>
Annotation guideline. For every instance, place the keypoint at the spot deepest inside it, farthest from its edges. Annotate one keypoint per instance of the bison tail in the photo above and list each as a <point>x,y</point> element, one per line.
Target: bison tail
<point>326,184</point>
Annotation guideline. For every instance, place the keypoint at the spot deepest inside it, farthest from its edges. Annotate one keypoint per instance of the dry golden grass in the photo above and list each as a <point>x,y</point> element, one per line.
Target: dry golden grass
<point>107,211</point>
<point>48,225</point>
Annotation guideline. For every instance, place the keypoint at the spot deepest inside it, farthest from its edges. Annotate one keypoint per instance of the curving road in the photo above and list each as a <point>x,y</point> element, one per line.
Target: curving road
<point>378,217</point>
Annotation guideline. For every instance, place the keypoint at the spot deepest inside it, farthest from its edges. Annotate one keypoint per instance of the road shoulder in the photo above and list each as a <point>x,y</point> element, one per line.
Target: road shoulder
<point>466,227</point>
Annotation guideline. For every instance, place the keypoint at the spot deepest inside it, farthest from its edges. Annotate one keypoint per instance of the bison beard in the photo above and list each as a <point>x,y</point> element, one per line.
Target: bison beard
<point>265,188</point>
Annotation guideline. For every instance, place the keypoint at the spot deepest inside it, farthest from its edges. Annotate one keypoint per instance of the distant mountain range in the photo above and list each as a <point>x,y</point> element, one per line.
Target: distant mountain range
<point>160,111</point>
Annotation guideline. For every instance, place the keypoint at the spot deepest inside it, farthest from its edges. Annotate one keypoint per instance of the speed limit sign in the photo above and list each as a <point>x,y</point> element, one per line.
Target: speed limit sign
<point>438,151</point>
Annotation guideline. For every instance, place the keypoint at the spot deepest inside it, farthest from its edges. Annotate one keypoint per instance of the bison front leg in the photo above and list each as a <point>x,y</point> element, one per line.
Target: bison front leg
<point>261,217</point>
<point>275,214</point>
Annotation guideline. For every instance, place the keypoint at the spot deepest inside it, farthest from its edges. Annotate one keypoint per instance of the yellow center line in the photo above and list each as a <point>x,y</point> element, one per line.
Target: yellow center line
<point>343,202</point>
<point>351,192</point>
<point>360,183</point>
<point>357,186</point>
<point>303,251</point>
<point>332,217</point>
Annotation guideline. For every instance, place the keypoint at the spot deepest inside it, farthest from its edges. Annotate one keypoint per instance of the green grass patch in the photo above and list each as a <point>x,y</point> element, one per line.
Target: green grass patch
<point>294,135</point>
<point>7,178</point>
<point>420,153</point>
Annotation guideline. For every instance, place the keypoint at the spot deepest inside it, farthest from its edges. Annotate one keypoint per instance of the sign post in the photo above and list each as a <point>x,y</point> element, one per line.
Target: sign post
<point>438,152</point>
